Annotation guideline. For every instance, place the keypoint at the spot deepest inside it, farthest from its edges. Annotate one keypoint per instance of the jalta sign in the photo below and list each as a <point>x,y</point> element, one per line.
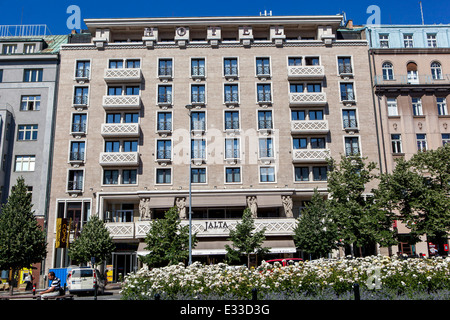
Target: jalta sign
<point>216,225</point>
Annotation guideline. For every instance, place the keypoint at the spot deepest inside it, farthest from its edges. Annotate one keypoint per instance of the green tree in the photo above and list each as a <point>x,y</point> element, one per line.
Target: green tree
<point>167,241</point>
<point>22,240</point>
<point>94,242</point>
<point>360,220</point>
<point>315,232</point>
<point>245,240</point>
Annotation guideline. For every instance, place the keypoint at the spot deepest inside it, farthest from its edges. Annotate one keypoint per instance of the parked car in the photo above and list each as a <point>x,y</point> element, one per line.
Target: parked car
<point>83,280</point>
<point>285,262</point>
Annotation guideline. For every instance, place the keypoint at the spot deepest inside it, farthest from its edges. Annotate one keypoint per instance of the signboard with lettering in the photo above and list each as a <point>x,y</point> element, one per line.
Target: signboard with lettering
<point>61,233</point>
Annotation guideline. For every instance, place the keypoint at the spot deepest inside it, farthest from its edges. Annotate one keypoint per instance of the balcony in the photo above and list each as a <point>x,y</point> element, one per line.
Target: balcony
<point>123,75</point>
<point>310,155</point>
<point>120,130</point>
<point>306,72</point>
<point>307,98</point>
<point>310,127</point>
<point>121,102</point>
<point>427,79</point>
<point>119,159</point>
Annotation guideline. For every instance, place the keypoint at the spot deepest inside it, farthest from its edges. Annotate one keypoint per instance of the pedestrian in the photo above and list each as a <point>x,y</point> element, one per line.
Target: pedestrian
<point>28,281</point>
<point>53,289</point>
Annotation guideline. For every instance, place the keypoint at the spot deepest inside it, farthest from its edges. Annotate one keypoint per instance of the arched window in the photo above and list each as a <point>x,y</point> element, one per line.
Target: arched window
<point>388,71</point>
<point>413,76</point>
<point>436,71</point>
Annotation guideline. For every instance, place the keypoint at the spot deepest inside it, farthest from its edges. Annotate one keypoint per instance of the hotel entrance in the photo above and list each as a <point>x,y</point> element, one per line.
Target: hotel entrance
<point>123,263</point>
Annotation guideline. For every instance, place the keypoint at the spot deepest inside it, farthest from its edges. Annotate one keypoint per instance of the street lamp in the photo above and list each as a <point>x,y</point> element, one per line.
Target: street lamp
<point>189,107</point>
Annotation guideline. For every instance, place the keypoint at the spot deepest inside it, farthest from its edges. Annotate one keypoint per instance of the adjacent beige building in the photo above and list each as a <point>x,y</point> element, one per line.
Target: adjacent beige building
<point>253,105</point>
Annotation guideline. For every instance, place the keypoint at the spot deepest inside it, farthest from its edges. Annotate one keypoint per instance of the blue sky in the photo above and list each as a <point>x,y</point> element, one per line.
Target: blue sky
<point>53,13</point>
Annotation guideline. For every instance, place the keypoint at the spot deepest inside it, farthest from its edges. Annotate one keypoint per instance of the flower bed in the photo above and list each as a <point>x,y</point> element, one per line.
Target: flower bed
<point>378,277</point>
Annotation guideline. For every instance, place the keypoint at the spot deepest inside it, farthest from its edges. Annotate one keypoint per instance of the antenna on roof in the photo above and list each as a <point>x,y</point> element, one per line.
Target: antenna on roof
<point>421,12</point>
<point>265,13</point>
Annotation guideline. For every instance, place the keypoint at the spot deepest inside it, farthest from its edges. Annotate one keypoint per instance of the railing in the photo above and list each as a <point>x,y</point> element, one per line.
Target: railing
<point>310,155</point>
<point>232,124</point>
<point>231,97</point>
<point>123,74</point>
<point>266,153</point>
<point>306,72</point>
<point>230,71</point>
<point>165,98</point>
<point>164,126</point>
<point>204,228</point>
<point>197,98</point>
<point>350,124</point>
<point>119,158</point>
<point>78,127</point>
<point>198,72</point>
<point>82,73</point>
<point>27,30</point>
<point>75,185</point>
<point>127,102</point>
<point>347,96</point>
<point>120,129</point>
<point>265,124</point>
<point>76,156</point>
<point>309,126</point>
<point>264,97</point>
<point>307,98</point>
<point>165,72</point>
<point>164,154</point>
<point>198,154</point>
<point>198,125</point>
<point>263,70</point>
<point>427,79</point>
<point>81,100</point>
<point>345,69</point>
<point>232,154</point>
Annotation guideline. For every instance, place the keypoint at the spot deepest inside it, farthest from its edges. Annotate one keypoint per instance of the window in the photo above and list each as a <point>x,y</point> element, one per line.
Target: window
<point>442,106</point>
<point>164,121</point>
<point>132,90</point>
<point>408,40</point>
<point>25,163</point>
<point>165,68</point>
<point>81,95</point>
<point>301,174</point>
<point>262,66</point>
<point>164,150</point>
<point>27,132</point>
<point>264,93</point>
<point>9,48</point>
<point>130,146</point>
<point>300,143</point>
<point>115,91</point>
<point>77,150</point>
<point>266,148</point>
<point>198,121</point>
<point>266,174</point>
<point>417,106</point>
<point>231,93</point>
<point>295,61</point>
<point>317,143</point>
<point>198,175</point>
<point>230,67</point>
<point>297,115</point>
<point>113,117</point>
<point>131,117</point>
<point>392,107</point>
<point>29,48</point>
<point>75,182</point>
<point>198,94</point>
<point>265,120</point>
<point>344,65</point>
<point>32,75</point>
<point>312,61</point>
<point>163,176</point>
<point>314,87</point>
<point>352,146</point>
<point>198,67</point>
<point>421,142</point>
<point>320,173</point>
<point>133,63</point>
<point>198,149</point>
<point>388,71</point>
<point>349,118</point>
<point>30,103</point>
<point>296,88</point>
<point>129,176</point>
<point>165,94</point>
<point>1,75</point>
<point>231,120</point>
<point>83,69</point>
<point>396,141</point>
<point>79,122</point>
<point>232,175</point>
<point>110,176</point>
<point>384,40</point>
<point>445,138</point>
<point>112,146</point>
<point>347,92</point>
<point>315,114</point>
<point>431,41</point>
<point>232,149</point>
<point>412,74</point>
<point>115,64</point>
<point>436,70</point>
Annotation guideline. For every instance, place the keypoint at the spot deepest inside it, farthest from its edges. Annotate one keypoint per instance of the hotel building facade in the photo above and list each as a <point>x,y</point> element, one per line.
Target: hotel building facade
<point>248,108</point>
<point>411,73</point>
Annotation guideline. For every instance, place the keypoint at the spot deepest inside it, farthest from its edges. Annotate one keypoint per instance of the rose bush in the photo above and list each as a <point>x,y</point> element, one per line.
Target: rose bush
<point>379,277</point>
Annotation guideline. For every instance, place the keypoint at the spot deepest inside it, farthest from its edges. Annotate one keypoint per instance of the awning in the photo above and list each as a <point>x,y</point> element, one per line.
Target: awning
<point>266,201</point>
<point>280,246</point>
<point>162,202</point>
<point>215,201</point>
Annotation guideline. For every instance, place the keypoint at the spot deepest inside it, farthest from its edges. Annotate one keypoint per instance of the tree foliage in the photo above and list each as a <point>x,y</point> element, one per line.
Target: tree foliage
<point>22,240</point>
<point>245,241</point>
<point>167,241</point>
<point>94,242</point>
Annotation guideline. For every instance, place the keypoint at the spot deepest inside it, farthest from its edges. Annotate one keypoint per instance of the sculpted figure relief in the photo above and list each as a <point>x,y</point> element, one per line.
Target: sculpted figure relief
<point>252,204</point>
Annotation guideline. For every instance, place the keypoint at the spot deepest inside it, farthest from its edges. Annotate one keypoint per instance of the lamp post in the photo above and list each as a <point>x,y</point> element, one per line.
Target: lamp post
<point>189,107</point>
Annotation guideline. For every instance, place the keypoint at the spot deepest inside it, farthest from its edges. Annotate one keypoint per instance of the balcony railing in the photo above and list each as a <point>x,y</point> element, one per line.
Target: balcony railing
<point>76,156</point>
<point>350,124</point>
<point>230,71</point>
<point>232,154</point>
<point>308,98</point>
<point>232,125</point>
<point>119,159</point>
<point>265,97</point>
<point>198,72</point>
<point>165,72</point>
<point>82,73</point>
<point>123,75</point>
<point>120,130</point>
<point>122,102</point>
<point>164,154</point>
<point>266,153</point>
<point>309,126</point>
<point>75,186</point>
<point>81,100</point>
<point>265,124</point>
<point>306,72</point>
<point>79,128</point>
<point>427,79</point>
<point>198,126</point>
<point>231,98</point>
<point>165,99</point>
<point>310,155</point>
<point>197,98</point>
<point>164,126</point>
<point>198,155</point>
